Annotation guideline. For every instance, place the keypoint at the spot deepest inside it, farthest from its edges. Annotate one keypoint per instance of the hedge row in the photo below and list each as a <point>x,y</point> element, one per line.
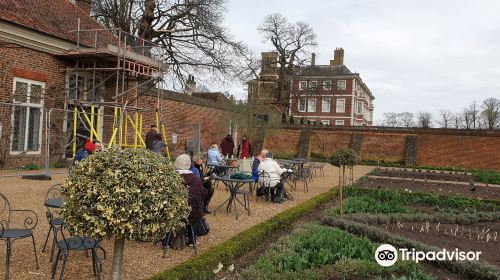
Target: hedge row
<point>202,266</point>
<point>468,269</point>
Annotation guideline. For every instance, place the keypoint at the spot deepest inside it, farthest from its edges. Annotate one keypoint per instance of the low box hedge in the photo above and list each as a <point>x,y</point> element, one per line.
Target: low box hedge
<point>202,266</point>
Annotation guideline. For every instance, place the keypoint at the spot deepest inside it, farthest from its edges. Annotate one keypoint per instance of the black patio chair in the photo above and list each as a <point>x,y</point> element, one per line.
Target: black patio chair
<point>66,242</point>
<point>11,233</point>
<point>265,182</point>
<point>53,217</point>
<point>301,174</point>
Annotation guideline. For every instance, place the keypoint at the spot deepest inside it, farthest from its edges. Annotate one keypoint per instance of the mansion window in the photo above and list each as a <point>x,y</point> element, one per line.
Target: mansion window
<point>302,105</point>
<point>84,87</point>
<point>313,84</point>
<point>341,85</point>
<point>340,105</point>
<point>360,108</point>
<point>325,122</point>
<point>339,122</point>
<point>27,116</point>
<point>325,105</point>
<point>311,105</point>
<point>327,85</point>
<point>302,85</point>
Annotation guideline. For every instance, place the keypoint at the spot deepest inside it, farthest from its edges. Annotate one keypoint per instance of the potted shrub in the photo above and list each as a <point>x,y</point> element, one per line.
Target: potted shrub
<point>343,158</point>
<point>130,194</point>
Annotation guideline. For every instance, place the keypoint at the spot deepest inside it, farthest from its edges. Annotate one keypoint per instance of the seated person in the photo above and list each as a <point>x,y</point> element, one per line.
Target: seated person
<point>274,179</point>
<point>88,149</point>
<point>197,168</point>
<point>215,157</point>
<point>158,145</point>
<point>197,192</point>
<point>255,167</point>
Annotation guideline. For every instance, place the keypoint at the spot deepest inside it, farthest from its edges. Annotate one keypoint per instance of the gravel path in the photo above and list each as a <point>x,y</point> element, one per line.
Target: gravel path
<point>142,259</point>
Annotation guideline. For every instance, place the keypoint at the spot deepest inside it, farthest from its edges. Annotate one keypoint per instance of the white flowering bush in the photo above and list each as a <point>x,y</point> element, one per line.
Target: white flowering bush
<point>128,194</point>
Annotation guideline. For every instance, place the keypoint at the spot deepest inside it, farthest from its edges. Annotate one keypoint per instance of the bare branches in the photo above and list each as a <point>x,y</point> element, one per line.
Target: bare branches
<point>491,112</point>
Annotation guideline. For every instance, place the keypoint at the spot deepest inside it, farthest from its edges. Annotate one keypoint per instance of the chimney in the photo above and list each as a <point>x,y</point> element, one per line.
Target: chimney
<point>313,59</point>
<point>190,85</point>
<point>338,57</point>
<point>269,63</point>
<point>85,5</point>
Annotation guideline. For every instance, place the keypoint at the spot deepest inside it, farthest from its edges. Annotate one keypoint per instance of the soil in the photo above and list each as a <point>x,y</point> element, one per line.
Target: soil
<point>484,192</point>
<point>444,236</point>
<point>424,174</point>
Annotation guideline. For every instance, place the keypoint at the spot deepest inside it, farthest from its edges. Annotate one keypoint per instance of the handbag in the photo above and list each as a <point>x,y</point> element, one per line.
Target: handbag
<point>202,227</point>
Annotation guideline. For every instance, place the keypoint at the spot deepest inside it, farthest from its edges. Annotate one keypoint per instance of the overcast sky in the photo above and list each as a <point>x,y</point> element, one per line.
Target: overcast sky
<point>414,55</point>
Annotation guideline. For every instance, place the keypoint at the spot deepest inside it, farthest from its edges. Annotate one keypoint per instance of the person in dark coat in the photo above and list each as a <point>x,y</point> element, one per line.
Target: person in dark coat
<point>227,146</point>
<point>150,137</point>
<point>197,168</point>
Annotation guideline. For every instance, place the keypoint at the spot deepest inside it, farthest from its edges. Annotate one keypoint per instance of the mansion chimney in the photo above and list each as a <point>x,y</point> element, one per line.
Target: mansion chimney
<point>85,5</point>
<point>269,64</point>
<point>338,57</point>
<point>313,59</point>
<point>190,85</point>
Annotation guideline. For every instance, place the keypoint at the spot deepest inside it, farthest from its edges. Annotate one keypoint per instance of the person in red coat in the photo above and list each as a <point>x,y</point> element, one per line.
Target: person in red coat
<point>227,146</point>
<point>244,148</point>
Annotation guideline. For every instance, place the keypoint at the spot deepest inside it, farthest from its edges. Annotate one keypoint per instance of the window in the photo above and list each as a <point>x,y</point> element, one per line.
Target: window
<point>360,108</point>
<point>302,85</point>
<point>341,85</point>
<point>339,122</point>
<point>325,122</point>
<point>340,105</point>
<point>325,105</point>
<point>313,84</point>
<point>84,84</point>
<point>311,105</point>
<point>327,85</point>
<point>302,105</point>
<point>27,120</point>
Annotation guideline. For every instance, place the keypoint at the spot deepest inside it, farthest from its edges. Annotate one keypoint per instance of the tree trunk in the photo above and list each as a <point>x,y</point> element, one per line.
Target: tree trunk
<point>116,269</point>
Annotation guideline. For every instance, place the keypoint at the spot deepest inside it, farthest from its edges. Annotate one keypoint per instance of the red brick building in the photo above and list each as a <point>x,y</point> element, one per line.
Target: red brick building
<point>55,58</point>
<point>330,94</point>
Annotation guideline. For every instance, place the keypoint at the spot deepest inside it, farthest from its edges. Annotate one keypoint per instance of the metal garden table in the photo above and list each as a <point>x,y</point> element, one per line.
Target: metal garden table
<point>234,186</point>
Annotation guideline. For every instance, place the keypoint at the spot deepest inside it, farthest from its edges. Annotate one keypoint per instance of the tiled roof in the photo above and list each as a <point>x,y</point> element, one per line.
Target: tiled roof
<point>323,70</point>
<point>53,17</point>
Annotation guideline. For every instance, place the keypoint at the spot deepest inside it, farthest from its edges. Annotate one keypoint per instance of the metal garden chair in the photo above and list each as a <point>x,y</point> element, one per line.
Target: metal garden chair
<point>265,182</point>
<point>66,243</point>
<point>52,215</point>
<point>11,233</point>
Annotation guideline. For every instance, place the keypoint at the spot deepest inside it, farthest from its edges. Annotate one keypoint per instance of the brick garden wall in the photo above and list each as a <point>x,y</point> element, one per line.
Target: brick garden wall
<point>434,147</point>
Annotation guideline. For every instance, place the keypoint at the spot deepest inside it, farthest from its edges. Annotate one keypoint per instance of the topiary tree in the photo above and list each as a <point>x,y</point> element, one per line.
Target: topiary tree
<point>343,158</point>
<point>128,194</point>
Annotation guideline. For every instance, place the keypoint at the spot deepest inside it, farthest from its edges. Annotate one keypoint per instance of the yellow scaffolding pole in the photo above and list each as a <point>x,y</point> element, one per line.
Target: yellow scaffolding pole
<point>98,124</point>
<point>136,131</point>
<point>92,130</point>
<point>125,128</point>
<point>135,128</point>
<point>121,126</point>
<point>92,123</point>
<point>165,139</point>
<point>140,127</point>
<point>115,114</point>
<point>74,131</point>
<point>113,138</point>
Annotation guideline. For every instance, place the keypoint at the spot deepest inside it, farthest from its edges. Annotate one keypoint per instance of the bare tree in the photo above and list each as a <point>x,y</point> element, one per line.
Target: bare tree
<point>190,32</point>
<point>424,119</point>
<point>467,118</point>
<point>491,112</point>
<point>473,112</point>
<point>293,43</point>
<point>457,120</point>
<point>445,118</point>
<point>390,119</point>
<point>406,119</point>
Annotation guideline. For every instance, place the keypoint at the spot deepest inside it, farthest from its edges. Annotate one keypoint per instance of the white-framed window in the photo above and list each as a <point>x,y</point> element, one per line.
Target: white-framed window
<point>311,105</point>
<point>302,85</point>
<point>327,85</point>
<point>325,105</point>
<point>83,84</point>
<point>340,108</point>
<point>301,105</point>
<point>27,117</point>
<point>325,122</point>
<point>339,122</point>
<point>341,85</point>
<point>313,84</point>
<point>360,108</point>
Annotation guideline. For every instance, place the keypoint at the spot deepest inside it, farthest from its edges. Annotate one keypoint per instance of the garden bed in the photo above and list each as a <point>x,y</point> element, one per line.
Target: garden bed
<point>423,174</point>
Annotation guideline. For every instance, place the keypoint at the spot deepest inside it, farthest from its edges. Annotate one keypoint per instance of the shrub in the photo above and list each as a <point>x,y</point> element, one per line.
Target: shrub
<point>30,166</point>
<point>488,177</point>
<point>128,194</point>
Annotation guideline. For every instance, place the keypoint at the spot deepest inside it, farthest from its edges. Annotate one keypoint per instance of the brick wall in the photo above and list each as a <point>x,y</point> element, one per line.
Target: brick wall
<point>434,147</point>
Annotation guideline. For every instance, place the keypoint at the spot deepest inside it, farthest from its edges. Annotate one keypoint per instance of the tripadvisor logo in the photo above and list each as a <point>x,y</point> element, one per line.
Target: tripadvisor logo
<point>387,255</point>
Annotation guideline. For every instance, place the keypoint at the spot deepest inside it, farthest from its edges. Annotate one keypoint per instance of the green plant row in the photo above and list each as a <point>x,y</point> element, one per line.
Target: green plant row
<point>468,269</point>
<point>487,177</point>
<point>202,266</point>
<point>447,218</point>
<point>313,250</point>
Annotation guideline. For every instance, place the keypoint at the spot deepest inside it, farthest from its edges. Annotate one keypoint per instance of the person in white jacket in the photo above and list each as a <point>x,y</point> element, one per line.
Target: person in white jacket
<point>274,179</point>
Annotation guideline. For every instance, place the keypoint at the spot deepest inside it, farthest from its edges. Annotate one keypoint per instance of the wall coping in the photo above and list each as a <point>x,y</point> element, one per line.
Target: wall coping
<point>401,130</point>
<point>185,98</point>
